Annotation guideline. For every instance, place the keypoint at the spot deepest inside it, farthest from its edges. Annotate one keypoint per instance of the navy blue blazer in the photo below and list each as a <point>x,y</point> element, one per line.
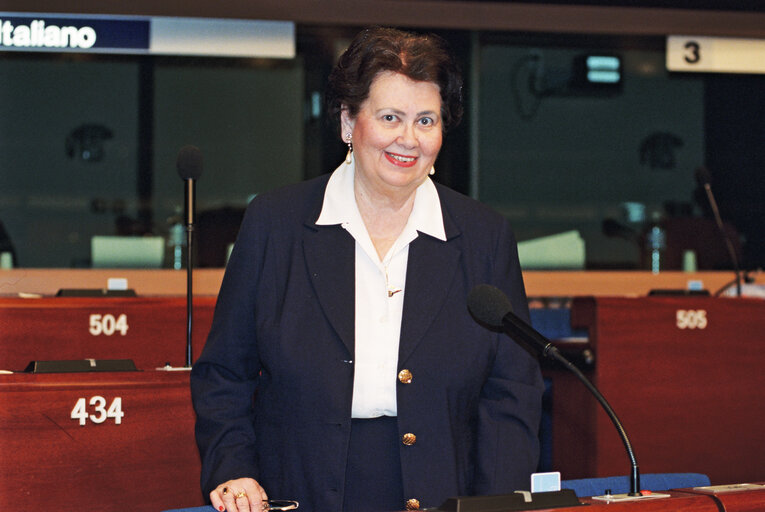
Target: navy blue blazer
<point>272,388</point>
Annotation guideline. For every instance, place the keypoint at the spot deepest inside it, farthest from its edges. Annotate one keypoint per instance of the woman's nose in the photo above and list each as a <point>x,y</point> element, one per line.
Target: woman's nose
<point>408,137</point>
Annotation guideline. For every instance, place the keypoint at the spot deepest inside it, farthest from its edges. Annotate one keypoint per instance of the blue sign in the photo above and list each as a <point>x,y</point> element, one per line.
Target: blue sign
<point>41,33</point>
<point>158,35</point>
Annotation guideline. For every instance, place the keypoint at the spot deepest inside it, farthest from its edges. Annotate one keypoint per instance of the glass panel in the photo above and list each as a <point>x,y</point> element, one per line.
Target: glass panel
<point>88,147</point>
<point>609,160</point>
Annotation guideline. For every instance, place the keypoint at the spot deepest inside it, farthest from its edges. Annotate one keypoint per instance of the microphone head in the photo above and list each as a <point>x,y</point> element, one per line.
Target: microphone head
<point>488,304</point>
<point>613,228</point>
<point>189,163</point>
<point>703,177</point>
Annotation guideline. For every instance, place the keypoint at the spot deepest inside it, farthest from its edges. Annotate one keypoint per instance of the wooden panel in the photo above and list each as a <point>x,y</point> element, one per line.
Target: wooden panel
<point>619,283</point>
<point>207,281</point>
<point>689,398</point>
<point>48,281</point>
<point>60,328</point>
<point>147,462</point>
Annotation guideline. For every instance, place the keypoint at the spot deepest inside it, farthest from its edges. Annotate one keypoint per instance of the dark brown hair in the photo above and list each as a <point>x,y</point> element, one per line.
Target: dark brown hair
<point>424,58</point>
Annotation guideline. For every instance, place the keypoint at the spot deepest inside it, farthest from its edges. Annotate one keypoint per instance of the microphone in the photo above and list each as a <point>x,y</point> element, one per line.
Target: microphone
<point>491,307</point>
<point>704,179</point>
<point>189,165</point>
<point>613,228</point>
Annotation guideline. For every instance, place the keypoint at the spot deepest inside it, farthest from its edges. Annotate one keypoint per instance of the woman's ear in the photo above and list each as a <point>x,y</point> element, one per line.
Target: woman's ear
<point>346,123</point>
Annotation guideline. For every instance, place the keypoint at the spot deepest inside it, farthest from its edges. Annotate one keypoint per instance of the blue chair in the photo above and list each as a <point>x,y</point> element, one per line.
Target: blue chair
<point>621,484</point>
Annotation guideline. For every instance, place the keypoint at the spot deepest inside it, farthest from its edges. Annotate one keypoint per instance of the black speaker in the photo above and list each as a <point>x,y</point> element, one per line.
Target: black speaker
<point>94,292</point>
<point>507,502</point>
<point>81,365</point>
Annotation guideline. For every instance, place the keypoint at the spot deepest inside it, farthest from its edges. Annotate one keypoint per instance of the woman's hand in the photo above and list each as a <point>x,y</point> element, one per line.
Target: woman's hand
<point>240,495</point>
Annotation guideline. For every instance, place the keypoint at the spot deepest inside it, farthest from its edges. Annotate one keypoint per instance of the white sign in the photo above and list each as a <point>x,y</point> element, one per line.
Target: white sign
<point>715,54</point>
<point>97,404</point>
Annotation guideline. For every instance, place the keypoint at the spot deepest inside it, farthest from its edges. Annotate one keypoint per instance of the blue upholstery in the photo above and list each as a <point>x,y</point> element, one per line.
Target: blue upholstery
<point>554,323</point>
<point>621,484</point>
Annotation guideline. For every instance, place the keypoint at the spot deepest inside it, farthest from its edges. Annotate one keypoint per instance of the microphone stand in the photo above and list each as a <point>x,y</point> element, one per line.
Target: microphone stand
<point>190,189</point>
<point>189,165</point>
<point>703,178</point>
<point>728,242</point>
<point>517,328</point>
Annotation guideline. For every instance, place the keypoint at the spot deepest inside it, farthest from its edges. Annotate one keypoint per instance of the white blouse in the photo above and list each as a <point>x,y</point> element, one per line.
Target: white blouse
<point>379,288</point>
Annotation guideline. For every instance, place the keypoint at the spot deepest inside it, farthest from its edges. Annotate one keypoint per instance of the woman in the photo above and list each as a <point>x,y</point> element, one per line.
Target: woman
<point>343,311</point>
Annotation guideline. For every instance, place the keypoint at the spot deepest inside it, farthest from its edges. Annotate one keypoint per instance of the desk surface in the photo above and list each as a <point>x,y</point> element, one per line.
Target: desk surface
<point>207,281</point>
<point>684,500</point>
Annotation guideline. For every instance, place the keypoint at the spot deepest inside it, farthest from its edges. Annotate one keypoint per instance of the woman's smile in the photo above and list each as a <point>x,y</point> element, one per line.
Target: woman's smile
<point>401,160</point>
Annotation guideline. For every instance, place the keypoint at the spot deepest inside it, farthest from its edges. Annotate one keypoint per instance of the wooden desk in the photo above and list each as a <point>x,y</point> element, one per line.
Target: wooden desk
<point>735,499</point>
<point>145,460</point>
<point>684,500</point>
<point>686,377</point>
<point>679,500</point>
<point>150,331</point>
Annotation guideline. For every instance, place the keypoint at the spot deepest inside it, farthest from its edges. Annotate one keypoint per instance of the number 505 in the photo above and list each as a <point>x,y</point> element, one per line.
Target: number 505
<point>691,319</point>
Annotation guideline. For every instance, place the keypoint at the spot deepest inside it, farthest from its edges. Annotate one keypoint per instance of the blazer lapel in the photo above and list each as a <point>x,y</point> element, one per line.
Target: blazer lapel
<point>330,258</point>
<point>430,270</point>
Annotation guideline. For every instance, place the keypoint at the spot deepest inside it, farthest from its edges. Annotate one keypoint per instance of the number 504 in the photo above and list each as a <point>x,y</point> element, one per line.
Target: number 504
<point>107,324</point>
<point>100,413</point>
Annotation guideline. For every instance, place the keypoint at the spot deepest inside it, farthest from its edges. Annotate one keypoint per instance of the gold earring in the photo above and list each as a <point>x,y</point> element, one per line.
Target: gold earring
<point>349,156</point>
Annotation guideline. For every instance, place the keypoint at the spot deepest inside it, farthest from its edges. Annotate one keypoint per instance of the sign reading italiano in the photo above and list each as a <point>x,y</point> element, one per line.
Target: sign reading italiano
<point>146,35</point>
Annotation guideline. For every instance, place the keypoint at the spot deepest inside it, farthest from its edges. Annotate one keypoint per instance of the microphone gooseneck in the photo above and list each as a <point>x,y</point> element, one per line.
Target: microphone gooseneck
<point>704,180</point>
<point>490,306</point>
<point>189,166</point>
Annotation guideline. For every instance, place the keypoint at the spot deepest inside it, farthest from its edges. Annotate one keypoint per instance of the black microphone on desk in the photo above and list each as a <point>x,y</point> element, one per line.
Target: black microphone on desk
<point>189,165</point>
<point>704,179</point>
<point>491,307</point>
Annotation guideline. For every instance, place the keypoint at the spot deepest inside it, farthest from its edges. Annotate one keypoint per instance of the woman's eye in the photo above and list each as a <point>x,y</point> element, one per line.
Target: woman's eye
<point>389,117</point>
<point>426,121</point>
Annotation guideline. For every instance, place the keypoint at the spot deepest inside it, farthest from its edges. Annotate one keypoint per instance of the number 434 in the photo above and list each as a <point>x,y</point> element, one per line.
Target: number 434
<point>102,413</point>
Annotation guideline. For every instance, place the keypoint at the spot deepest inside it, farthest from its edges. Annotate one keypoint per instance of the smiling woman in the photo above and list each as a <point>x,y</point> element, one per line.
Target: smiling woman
<point>398,398</point>
<point>396,138</point>
<point>395,95</point>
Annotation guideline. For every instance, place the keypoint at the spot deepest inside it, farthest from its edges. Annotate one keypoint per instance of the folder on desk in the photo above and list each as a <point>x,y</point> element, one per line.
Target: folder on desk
<point>562,251</point>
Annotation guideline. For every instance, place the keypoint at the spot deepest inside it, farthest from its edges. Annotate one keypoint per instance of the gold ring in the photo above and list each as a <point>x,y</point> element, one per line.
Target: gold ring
<point>225,491</point>
<point>240,494</point>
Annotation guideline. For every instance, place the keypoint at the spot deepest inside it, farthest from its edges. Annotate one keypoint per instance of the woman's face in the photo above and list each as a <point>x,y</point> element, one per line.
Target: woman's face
<point>396,135</point>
